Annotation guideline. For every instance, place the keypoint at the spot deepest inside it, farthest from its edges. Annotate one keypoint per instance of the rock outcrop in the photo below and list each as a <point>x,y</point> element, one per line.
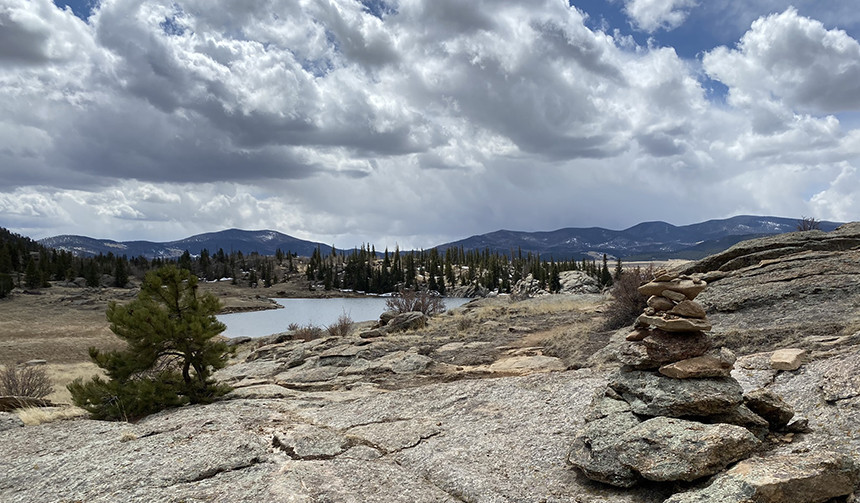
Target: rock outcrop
<point>674,413</point>
<point>797,290</point>
<point>572,283</point>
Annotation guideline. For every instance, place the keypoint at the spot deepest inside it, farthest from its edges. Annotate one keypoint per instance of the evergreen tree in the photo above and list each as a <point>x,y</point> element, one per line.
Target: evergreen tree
<point>185,261</point>
<point>32,277</point>
<point>605,277</point>
<point>120,274</point>
<point>171,351</point>
<point>619,270</point>
<point>92,275</point>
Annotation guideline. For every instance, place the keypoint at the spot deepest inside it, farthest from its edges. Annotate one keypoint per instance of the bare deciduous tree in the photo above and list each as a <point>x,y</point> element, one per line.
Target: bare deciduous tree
<point>808,224</point>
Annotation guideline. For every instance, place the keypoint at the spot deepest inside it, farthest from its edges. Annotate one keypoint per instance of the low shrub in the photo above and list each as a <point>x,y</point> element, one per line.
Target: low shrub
<point>342,327</point>
<point>627,303</point>
<point>307,332</point>
<point>410,300</point>
<point>25,381</point>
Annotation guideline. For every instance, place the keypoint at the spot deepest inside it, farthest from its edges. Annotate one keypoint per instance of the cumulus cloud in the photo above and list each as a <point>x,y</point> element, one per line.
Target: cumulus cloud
<point>791,58</point>
<point>653,15</point>
<point>413,122</point>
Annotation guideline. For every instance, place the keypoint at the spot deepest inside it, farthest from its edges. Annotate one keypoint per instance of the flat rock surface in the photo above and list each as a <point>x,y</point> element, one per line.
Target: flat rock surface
<point>488,440</point>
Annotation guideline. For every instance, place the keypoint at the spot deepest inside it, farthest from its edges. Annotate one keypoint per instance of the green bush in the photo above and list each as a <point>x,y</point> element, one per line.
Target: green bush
<point>171,351</point>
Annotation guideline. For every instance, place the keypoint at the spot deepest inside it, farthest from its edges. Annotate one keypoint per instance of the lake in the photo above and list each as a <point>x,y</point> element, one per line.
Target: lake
<point>317,312</point>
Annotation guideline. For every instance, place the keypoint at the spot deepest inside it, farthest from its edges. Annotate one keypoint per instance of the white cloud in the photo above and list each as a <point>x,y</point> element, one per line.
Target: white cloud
<point>653,15</point>
<point>794,59</point>
<point>435,121</point>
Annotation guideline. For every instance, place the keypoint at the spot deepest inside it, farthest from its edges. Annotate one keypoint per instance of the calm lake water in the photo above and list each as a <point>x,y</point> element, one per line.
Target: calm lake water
<point>318,312</point>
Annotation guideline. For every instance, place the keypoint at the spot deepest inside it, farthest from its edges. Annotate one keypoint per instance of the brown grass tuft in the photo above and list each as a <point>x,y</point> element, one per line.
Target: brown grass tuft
<point>33,416</point>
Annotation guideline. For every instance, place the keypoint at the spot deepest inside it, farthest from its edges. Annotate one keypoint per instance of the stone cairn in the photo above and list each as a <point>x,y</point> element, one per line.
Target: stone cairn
<point>673,412</point>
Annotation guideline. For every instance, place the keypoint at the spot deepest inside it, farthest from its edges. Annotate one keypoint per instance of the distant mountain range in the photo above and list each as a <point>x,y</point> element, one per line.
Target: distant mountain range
<point>262,242</point>
<point>645,241</point>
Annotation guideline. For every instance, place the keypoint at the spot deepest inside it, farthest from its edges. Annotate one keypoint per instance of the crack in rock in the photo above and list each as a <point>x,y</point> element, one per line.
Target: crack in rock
<point>212,472</point>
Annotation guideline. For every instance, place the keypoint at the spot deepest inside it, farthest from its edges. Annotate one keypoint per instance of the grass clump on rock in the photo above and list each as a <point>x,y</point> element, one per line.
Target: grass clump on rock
<point>170,332</point>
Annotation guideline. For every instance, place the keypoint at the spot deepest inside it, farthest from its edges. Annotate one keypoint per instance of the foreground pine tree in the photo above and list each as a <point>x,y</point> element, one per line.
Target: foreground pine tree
<point>171,351</point>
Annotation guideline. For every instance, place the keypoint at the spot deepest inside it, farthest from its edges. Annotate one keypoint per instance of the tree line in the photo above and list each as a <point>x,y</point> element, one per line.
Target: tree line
<point>25,263</point>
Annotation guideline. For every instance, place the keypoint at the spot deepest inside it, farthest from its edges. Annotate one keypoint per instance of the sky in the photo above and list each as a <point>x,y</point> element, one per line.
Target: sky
<point>419,122</point>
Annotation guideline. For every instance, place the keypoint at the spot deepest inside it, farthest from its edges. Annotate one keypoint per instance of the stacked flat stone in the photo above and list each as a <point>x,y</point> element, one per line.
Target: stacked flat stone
<point>670,335</point>
<point>672,412</point>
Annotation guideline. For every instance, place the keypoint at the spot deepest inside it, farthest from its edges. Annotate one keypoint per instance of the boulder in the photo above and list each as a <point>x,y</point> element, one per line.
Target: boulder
<point>671,323</point>
<point>595,450</point>
<point>770,406</point>
<point>406,321</point>
<point>787,359</point>
<point>651,394</point>
<point>709,365</point>
<point>577,282</point>
<point>690,288</point>
<point>667,449</point>
<point>810,477</point>
<point>385,317</point>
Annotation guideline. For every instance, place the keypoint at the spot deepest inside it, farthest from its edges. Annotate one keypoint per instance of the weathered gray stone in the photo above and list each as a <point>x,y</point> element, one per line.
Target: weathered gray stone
<point>770,406</point>
<point>811,477</point>
<point>387,316</point>
<point>651,394</point>
<point>667,449</point>
<point>595,450</point>
<point>674,324</point>
<point>743,416</point>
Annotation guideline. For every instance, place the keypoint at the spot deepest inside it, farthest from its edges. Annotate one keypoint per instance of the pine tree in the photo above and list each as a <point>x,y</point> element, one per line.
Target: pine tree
<point>171,351</point>
<point>619,270</point>
<point>605,277</point>
<point>120,274</point>
<point>32,277</point>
